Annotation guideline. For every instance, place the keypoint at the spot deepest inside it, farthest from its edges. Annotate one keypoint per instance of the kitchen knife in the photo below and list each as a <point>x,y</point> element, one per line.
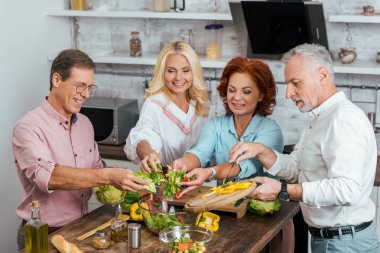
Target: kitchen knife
<point>229,171</point>
<point>239,201</point>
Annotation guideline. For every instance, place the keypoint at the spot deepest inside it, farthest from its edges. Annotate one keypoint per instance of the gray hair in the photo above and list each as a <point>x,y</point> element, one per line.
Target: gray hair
<point>315,54</point>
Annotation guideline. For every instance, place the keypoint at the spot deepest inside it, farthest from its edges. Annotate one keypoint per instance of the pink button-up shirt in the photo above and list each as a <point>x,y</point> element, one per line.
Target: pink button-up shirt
<point>42,140</point>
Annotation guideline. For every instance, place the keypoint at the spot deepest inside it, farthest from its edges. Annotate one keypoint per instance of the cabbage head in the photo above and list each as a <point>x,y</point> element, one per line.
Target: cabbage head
<point>263,207</point>
<point>108,194</point>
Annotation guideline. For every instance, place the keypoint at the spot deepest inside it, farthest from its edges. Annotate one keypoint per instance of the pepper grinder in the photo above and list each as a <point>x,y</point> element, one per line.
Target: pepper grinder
<point>134,238</point>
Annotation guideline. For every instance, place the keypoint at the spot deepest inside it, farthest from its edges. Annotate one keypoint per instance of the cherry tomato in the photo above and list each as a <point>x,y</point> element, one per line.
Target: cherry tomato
<point>177,195</point>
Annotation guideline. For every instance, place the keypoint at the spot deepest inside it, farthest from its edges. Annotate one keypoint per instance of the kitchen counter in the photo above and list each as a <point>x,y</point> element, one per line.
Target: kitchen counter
<point>117,152</point>
<point>249,234</point>
<point>113,152</point>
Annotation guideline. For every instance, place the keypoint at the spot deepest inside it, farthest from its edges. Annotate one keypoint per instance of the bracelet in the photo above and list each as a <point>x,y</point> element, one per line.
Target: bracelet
<point>213,174</point>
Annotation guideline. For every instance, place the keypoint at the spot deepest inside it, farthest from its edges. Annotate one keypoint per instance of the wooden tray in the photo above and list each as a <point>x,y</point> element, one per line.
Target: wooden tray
<point>225,204</point>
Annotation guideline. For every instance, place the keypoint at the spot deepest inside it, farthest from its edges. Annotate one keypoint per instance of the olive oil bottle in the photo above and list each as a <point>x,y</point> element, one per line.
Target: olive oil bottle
<point>36,232</point>
<point>119,228</point>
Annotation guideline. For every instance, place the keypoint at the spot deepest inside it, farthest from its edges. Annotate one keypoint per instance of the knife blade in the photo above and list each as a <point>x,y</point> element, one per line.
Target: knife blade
<point>229,171</point>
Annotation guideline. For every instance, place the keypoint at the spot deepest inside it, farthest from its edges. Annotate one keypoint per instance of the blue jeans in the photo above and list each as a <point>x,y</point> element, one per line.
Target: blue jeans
<point>362,241</point>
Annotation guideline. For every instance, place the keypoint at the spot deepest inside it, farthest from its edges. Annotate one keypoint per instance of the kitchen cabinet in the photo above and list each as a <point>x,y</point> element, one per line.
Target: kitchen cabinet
<point>363,67</point>
<point>147,58</point>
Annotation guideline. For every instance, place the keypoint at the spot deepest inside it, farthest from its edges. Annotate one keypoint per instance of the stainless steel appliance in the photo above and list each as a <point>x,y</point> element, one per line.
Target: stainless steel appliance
<point>112,118</point>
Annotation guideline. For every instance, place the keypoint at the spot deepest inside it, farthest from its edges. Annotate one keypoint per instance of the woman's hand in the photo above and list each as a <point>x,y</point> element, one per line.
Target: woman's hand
<point>151,158</point>
<point>124,179</point>
<point>268,190</point>
<point>178,164</point>
<point>200,175</point>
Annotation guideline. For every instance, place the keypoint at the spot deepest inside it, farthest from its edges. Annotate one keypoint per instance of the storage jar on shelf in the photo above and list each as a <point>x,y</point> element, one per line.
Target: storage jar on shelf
<point>214,41</point>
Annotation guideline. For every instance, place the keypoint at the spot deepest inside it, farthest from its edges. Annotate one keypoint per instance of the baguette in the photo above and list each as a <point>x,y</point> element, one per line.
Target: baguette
<point>64,246</point>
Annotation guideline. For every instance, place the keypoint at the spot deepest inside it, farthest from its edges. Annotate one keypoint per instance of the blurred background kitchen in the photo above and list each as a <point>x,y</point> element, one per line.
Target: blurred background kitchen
<point>33,32</point>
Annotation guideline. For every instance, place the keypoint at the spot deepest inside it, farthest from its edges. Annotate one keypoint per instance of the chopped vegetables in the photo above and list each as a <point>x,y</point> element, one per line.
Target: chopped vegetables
<point>185,244</point>
<point>208,220</point>
<point>159,221</point>
<point>173,182</point>
<point>230,188</point>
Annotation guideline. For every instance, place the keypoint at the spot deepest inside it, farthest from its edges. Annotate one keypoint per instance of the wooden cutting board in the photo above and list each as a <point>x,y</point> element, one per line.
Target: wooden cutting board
<point>193,201</point>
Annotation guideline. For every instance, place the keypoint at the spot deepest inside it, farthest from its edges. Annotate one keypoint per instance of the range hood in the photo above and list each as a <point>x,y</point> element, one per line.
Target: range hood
<point>268,29</point>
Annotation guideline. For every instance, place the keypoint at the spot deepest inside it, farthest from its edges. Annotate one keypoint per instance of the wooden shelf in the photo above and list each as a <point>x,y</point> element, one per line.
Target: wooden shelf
<point>142,14</point>
<point>358,67</point>
<point>355,18</point>
<point>146,59</point>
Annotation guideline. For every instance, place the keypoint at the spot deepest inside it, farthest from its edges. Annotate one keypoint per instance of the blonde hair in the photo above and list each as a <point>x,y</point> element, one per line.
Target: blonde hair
<point>197,91</point>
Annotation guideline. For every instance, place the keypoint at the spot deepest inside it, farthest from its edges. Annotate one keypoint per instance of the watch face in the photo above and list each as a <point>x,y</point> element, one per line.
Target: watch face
<point>283,195</point>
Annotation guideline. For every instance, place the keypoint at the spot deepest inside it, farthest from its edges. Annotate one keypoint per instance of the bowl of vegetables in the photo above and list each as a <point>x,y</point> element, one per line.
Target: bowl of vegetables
<point>186,238</point>
<point>158,215</point>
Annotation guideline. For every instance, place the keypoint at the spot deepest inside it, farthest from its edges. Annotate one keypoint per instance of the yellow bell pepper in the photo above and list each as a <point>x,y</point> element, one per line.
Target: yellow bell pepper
<point>135,212</point>
<point>208,220</point>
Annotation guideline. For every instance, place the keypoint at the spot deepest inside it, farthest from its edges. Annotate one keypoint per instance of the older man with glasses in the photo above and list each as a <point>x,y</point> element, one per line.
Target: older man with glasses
<point>55,153</point>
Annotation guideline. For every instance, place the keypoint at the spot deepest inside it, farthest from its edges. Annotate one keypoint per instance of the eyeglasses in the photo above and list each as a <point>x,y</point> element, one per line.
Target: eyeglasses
<point>81,87</point>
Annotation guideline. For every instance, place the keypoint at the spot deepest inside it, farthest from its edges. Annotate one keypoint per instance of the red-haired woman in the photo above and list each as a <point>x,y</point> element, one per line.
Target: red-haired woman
<point>248,91</point>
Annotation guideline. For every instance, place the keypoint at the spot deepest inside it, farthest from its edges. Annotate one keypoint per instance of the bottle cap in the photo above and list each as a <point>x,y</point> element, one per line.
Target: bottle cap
<point>134,235</point>
<point>101,233</point>
<point>35,203</point>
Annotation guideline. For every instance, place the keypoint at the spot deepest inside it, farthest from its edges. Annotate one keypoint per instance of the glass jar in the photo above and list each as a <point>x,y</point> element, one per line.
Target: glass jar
<point>135,44</point>
<point>187,36</point>
<point>101,240</point>
<point>214,41</point>
<point>161,5</point>
<point>78,5</point>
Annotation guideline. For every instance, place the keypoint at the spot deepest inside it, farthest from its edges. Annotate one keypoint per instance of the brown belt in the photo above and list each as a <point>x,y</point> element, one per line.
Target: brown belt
<point>50,229</point>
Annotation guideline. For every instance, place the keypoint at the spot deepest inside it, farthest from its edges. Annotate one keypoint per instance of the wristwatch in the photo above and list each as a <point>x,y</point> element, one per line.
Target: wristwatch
<point>213,174</point>
<point>284,195</point>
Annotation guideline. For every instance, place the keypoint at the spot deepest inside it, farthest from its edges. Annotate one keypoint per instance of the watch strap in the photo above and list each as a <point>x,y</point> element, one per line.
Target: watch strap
<point>213,174</point>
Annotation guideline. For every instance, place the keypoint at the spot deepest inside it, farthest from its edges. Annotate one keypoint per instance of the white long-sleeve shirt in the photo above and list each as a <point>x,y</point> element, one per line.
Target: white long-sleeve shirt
<point>169,130</point>
<point>335,161</point>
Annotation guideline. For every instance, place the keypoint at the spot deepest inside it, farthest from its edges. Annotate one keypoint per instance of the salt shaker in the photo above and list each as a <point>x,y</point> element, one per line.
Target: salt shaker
<point>134,238</point>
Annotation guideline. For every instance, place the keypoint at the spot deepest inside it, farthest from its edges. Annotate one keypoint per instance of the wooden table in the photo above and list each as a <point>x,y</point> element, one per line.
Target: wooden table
<point>248,234</point>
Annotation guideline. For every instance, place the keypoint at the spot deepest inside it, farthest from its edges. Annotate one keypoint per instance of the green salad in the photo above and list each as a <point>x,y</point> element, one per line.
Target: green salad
<point>159,221</point>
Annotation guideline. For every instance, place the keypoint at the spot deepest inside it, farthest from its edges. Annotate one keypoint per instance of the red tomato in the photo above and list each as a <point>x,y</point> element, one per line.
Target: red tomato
<point>180,218</point>
<point>185,179</point>
<point>177,195</point>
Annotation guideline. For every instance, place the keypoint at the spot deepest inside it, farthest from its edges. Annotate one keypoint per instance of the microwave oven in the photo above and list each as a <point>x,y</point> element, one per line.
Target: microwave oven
<point>112,118</point>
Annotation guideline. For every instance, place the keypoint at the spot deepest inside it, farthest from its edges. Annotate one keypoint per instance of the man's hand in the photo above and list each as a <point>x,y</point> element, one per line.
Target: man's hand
<point>200,175</point>
<point>243,150</point>
<point>268,190</point>
<point>151,158</point>
<point>124,179</point>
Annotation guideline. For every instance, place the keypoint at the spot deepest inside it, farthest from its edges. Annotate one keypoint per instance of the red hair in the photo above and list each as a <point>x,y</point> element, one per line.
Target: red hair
<point>259,73</point>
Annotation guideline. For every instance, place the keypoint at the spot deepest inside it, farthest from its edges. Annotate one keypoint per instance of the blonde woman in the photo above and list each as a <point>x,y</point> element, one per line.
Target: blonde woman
<point>176,107</point>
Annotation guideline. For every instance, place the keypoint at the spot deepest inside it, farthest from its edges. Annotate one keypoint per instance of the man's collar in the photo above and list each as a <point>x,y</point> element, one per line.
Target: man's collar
<point>337,97</point>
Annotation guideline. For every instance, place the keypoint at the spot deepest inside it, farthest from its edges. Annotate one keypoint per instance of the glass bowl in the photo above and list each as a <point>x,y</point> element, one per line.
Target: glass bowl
<point>186,238</point>
<point>157,215</point>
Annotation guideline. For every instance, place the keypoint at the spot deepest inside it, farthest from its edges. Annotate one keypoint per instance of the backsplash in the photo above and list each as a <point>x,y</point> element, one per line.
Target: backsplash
<point>104,35</point>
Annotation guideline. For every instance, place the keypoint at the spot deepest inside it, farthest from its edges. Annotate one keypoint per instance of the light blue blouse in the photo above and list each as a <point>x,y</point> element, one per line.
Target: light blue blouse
<point>218,136</point>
